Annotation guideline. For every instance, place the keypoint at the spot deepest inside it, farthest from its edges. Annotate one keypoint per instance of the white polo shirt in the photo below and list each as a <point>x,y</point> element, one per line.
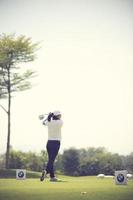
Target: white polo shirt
<point>54,129</point>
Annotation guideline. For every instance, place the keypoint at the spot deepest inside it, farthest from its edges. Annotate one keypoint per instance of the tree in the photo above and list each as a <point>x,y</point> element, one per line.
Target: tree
<point>16,159</point>
<point>28,160</point>
<point>129,162</point>
<point>70,161</point>
<point>13,51</point>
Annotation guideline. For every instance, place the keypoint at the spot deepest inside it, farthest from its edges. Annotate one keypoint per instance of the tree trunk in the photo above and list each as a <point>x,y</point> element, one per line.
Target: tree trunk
<point>9,121</point>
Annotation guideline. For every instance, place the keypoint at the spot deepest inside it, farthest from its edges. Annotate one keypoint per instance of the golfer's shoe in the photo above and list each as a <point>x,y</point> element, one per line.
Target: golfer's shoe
<point>54,179</point>
<point>43,176</point>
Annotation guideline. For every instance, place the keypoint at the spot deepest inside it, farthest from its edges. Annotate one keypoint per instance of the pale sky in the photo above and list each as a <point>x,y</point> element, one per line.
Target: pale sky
<point>85,70</point>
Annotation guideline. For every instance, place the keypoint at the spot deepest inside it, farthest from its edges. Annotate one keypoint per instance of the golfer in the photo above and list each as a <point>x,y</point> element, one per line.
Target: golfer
<point>54,124</point>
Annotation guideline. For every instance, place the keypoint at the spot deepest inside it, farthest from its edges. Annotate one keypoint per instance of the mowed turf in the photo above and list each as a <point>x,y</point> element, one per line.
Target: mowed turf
<point>72,188</point>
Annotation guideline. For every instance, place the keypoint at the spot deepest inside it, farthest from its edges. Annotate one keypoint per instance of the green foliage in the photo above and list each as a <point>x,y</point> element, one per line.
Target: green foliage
<point>29,160</point>
<point>70,161</point>
<point>128,161</point>
<point>75,162</point>
<point>15,50</point>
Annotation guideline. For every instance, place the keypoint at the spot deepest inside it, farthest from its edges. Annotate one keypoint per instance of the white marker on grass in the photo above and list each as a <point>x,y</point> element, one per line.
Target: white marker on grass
<point>20,174</point>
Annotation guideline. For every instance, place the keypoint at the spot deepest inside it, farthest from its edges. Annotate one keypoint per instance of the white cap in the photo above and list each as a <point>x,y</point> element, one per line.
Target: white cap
<point>56,113</point>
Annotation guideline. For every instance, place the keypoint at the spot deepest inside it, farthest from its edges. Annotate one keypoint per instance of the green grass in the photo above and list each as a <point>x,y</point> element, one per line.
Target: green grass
<point>73,188</point>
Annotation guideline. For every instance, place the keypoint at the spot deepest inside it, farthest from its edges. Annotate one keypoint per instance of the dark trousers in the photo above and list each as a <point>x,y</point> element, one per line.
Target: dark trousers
<point>53,147</point>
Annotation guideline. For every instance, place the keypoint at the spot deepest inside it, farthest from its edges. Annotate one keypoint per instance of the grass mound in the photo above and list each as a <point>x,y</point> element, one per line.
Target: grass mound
<point>11,173</point>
